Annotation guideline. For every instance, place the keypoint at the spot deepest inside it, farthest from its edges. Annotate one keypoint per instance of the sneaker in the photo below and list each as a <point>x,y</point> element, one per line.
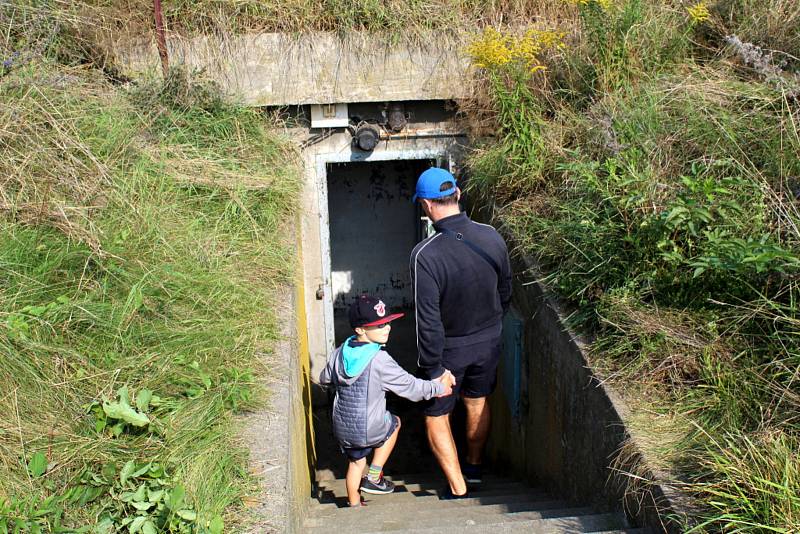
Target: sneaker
<point>473,474</point>
<point>381,487</point>
<point>447,494</point>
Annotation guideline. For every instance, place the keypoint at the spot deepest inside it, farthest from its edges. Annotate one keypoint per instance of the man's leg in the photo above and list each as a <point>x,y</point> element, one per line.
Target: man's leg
<point>440,437</point>
<point>478,423</point>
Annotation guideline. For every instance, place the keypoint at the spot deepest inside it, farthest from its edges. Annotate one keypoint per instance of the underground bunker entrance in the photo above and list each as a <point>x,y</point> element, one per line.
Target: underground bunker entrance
<point>373,228</point>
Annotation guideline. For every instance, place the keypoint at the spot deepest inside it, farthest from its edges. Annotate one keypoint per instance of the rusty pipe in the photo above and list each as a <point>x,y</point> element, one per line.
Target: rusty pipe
<point>161,41</point>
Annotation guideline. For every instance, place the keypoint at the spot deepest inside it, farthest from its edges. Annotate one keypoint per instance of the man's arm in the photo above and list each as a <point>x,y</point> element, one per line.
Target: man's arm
<point>430,331</point>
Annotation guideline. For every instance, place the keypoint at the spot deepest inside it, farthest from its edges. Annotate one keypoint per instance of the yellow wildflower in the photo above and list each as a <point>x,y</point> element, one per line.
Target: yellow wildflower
<point>493,49</point>
<point>699,12</point>
<point>605,5</point>
<point>490,49</point>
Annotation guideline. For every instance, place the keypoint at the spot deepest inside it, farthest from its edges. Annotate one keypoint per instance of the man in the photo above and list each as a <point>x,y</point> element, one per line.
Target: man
<point>462,287</point>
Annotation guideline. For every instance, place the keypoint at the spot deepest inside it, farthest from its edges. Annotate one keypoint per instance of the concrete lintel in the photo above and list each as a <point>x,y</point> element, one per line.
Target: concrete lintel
<point>273,69</point>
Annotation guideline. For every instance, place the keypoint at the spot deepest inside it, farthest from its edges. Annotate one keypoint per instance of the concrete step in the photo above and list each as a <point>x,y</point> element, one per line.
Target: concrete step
<point>430,497</point>
<point>411,516</point>
<point>419,478</point>
<point>559,525</point>
<point>337,487</point>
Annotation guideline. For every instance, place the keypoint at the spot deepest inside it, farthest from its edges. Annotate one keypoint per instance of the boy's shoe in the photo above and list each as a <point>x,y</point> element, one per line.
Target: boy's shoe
<point>473,474</point>
<point>447,495</point>
<point>381,487</point>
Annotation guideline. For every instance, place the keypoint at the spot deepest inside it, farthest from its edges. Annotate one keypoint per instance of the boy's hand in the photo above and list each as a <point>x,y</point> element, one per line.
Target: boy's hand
<point>448,380</point>
<point>448,390</point>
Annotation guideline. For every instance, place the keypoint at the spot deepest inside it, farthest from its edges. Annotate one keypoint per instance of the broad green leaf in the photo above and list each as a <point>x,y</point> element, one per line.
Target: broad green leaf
<point>142,469</point>
<point>36,311</point>
<point>136,526</point>
<point>140,494</point>
<point>149,528</point>
<point>127,469</point>
<point>216,525</point>
<point>142,505</point>
<point>156,471</point>
<point>176,497</point>
<point>37,466</point>
<point>99,425</point>
<point>154,495</point>
<point>124,395</point>
<point>189,515</point>
<point>143,399</point>
<point>123,411</point>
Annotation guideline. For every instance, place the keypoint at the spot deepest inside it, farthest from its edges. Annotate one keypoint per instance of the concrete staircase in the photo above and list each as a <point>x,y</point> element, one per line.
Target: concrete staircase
<point>501,505</point>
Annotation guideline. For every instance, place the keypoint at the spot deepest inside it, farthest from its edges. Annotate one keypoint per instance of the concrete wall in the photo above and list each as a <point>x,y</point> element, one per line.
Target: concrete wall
<point>559,426</point>
<point>302,456</point>
<point>274,69</point>
<point>373,228</point>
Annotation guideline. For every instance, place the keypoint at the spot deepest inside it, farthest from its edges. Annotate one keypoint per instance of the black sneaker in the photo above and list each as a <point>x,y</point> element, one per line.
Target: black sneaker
<point>473,474</point>
<point>447,495</point>
<point>381,487</point>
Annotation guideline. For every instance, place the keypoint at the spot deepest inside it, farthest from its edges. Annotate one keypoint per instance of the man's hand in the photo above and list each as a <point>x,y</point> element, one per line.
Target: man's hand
<point>448,380</point>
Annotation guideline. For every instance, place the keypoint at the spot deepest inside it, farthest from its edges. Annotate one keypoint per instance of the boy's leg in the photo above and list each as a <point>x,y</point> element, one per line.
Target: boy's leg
<point>382,453</point>
<point>355,469</point>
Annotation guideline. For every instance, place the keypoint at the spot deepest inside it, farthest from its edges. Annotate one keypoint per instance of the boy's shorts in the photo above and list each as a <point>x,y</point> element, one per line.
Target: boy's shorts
<point>475,369</point>
<point>359,453</point>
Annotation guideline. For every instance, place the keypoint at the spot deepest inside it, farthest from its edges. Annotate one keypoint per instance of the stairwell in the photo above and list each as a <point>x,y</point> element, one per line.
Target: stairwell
<point>500,505</point>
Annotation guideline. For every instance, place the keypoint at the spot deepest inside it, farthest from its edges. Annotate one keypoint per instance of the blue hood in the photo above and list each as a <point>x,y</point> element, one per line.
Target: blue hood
<point>356,359</point>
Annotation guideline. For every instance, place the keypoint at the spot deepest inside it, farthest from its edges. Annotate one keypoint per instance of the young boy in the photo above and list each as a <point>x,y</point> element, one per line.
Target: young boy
<point>361,373</point>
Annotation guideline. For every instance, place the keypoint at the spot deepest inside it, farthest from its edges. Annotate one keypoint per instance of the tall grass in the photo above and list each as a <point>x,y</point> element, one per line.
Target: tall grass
<point>653,173</point>
<point>133,255</point>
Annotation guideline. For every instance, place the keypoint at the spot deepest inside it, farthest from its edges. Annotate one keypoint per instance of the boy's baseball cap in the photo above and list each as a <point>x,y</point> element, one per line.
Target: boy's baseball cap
<point>369,311</point>
<point>431,181</point>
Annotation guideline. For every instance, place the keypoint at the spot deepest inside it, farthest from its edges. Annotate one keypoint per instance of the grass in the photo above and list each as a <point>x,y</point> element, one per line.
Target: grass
<point>652,170</point>
<point>133,263</point>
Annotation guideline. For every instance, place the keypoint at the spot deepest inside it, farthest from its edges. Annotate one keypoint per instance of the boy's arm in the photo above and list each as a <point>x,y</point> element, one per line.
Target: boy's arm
<point>395,379</point>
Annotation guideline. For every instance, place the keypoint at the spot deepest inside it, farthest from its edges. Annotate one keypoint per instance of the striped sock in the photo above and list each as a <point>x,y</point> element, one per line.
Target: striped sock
<point>374,474</point>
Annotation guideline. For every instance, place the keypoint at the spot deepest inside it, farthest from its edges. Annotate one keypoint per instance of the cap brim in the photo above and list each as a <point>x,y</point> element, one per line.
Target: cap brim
<point>383,320</point>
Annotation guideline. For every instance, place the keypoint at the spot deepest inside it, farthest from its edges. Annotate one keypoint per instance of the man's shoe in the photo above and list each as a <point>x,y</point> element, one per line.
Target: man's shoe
<point>473,474</point>
<point>447,495</point>
<point>381,487</point>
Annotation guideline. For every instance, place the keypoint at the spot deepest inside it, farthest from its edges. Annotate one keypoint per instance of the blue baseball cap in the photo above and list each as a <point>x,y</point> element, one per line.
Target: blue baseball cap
<point>431,181</point>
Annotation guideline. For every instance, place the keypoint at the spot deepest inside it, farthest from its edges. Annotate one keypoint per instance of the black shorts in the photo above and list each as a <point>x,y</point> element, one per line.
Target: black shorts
<point>475,369</point>
<point>357,453</point>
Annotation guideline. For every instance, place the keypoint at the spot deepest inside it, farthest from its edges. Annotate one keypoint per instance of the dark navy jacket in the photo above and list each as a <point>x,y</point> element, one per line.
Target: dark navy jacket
<point>459,298</point>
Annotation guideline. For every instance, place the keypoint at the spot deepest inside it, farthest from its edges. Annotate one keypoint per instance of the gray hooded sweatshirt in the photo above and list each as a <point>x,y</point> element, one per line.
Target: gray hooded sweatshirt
<point>361,376</point>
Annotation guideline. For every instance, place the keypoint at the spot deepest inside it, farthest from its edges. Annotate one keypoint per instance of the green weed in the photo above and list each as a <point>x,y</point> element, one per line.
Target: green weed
<point>656,186</point>
<point>137,279</point>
